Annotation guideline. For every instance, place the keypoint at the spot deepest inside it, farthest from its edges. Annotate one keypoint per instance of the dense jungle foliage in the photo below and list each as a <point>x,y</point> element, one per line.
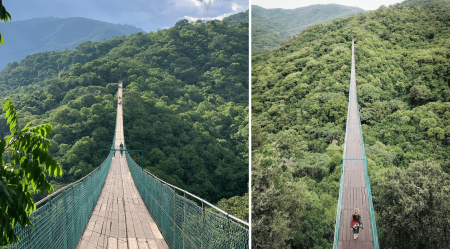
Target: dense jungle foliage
<point>299,106</point>
<point>270,27</point>
<point>185,104</point>
<point>27,37</point>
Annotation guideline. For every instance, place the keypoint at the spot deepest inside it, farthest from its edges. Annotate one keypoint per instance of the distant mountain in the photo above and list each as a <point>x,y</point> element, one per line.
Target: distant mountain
<point>54,34</point>
<point>271,26</point>
<point>237,18</point>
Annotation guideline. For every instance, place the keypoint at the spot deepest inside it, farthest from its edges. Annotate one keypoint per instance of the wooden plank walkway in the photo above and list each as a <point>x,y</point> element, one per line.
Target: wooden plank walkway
<point>354,194</point>
<point>120,219</point>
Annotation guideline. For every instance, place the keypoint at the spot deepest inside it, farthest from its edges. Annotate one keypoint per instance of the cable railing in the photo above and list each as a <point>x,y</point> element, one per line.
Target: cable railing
<point>61,218</point>
<point>341,187</point>
<point>185,220</point>
<point>369,191</point>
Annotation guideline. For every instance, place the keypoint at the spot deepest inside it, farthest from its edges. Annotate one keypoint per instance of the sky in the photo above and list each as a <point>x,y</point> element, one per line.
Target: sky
<point>292,4</point>
<point>148,15</point>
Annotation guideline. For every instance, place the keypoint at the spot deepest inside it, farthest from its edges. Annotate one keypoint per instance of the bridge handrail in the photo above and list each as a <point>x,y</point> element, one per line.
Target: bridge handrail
<point>59,191</point>
<point>369,191</point>
<point>62,217</point>
<point>240,230</point>
<point>195,197</point>
<point>341,186</point>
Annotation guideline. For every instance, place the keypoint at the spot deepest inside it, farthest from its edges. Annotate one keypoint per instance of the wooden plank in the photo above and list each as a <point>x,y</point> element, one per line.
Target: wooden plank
<point>147,231</point>
<point>102,241</point>
<point>83,244</point>
<point>112,243</point>
<point>152,244</point>
<point>98,227</point>
<point>122,243</point>
<point>132,243</point>
<point>162,244</point>
<point>142,244</point>
<point>155,231</point>
<point>138,230</point>
<point>94,239</point>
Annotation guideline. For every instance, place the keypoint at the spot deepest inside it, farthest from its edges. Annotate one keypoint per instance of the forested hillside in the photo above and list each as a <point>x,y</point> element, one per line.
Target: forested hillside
<point>185,103</point>
<point>237,18</point>
<point>272,26</point>
<point>299,107</point>
<point>54,34</point>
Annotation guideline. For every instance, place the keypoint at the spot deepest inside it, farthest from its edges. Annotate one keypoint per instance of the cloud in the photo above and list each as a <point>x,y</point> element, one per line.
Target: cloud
<point>193,19</point>
<point>220,17</point>
<point>235,6</point>
<point>196,2</point>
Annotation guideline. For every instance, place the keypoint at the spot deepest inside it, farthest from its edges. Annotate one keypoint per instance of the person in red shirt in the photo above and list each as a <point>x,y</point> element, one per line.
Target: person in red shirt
<point>354,224</point>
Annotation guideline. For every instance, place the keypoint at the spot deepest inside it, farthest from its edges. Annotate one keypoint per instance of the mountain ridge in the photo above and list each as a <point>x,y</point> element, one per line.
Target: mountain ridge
<point>271,26</point>
<point>54,34</point>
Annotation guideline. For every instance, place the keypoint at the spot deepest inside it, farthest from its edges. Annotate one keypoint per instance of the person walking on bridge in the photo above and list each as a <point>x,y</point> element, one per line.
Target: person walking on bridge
<point>121,149</point>
<point>354,224</point>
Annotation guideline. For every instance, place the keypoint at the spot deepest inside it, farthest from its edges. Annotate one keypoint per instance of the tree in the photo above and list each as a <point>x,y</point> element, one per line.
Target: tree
<point>30,160</point>
<point>419,93</point>
<point>278,203</point>
<point>414,207</point>
<point>237,205</point>
<point>4,15</point>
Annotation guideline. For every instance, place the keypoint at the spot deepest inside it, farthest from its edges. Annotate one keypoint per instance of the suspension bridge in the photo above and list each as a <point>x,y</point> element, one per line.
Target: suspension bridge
<point>121,205</point>
<point>354,190</point>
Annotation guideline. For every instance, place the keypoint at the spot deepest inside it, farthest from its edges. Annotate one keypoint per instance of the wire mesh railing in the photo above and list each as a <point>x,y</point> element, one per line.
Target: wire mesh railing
<point>369,191</point>
<point>61,218</point>
<point>187,223</point>
<point>341,186</point>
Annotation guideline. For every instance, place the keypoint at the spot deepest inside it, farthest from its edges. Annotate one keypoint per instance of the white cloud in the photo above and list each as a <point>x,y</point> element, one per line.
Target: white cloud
<point>193,19</point>
<point>235,6</point>
<point>220,18</point>
<point>197,3</point>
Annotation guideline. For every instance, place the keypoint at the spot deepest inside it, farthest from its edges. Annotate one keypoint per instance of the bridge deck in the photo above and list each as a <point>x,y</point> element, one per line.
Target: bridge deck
<point>354,194</point>
<point>120,219</point>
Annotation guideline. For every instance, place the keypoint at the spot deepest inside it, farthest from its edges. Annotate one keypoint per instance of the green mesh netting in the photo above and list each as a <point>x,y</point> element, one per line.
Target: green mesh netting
<point>59,223</point>
<point>369,191</point>
<point>183,222</point>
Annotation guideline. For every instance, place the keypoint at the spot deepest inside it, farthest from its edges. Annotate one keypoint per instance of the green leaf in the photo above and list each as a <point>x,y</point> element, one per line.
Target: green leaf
<point>8,16</point>
<point>42,157</point>
<point>6,103</point>
<point>2,146</point>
